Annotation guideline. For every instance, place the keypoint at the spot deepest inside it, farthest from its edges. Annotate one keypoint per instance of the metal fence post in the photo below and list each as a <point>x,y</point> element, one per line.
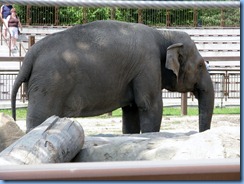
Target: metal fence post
<point>56,15</point>
<point>222,17</point>
<point>84,15</point>
<point>140,20</point>
<point>28,14</point>
<point>113,13</point>
<point>195,17</point>
<point>168,18</point>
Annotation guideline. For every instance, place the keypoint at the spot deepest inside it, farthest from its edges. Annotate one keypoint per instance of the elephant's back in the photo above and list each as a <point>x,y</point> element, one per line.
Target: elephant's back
<point>98,47</point>
<point>98,36</point>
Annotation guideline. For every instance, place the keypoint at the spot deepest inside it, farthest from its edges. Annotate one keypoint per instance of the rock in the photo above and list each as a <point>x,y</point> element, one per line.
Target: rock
<point>216,143</point>
<point>9,131</point>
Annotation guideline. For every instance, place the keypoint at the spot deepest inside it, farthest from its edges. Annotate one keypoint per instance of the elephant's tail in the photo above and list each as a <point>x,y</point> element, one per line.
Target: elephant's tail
<point>23,76</point>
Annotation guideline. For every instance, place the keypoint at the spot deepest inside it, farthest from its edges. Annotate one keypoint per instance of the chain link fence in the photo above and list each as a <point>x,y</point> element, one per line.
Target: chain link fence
<point>67,16</point>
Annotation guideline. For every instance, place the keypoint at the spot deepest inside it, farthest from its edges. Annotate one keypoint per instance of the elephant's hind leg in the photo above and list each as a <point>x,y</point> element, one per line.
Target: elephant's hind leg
<point>131,121</point>
<point>40,108</point>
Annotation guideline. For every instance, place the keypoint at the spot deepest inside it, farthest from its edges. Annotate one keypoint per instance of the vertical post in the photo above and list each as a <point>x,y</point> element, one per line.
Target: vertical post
<point>28,15</point>
<point>227,82</point>
<point>113,13</point>
<point>56,22</point>
<point>140,20</point>
<point>31,41</point>
<point>167,18</point>
<point>195,17</point>
<point>183,103</point>
<point>20,50</point>
<point>222,17</point>
<point>84,15</point>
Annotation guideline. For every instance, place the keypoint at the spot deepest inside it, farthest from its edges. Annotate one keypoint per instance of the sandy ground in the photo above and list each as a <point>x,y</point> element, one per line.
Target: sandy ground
<point>94,126</point>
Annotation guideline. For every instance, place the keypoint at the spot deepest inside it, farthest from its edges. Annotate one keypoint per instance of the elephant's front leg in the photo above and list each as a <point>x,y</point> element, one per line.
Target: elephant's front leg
<point>150,117</point>
<point>131,121</point>
<point>148,98</point>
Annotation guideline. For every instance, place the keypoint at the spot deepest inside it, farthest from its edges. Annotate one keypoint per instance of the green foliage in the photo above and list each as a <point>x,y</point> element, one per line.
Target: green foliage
<point>21,12</point>
<point>65,16</point>
<point>70,16</point>
<point>232,17</point>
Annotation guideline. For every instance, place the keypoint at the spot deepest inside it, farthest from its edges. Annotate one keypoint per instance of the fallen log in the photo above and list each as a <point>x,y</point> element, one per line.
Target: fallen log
<point>55,140</point>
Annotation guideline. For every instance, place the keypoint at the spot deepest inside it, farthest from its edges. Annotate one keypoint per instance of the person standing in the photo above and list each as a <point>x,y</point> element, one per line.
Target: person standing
<point>13,25</point>
<point>5,12</point>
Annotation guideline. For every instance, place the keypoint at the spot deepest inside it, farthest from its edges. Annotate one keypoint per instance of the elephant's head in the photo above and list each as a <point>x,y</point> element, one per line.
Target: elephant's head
<point>187,72</point>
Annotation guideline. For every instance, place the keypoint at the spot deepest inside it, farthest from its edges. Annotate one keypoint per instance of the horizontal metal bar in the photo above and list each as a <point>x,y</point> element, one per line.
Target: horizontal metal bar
<point>15,59</point>
<point>7,71</point>
<point>209,169</point>
<point>129,4</point>
<point>224,58</point>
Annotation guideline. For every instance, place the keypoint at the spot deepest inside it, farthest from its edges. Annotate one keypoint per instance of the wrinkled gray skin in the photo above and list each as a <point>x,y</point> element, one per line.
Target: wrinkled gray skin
<point>98,67</point>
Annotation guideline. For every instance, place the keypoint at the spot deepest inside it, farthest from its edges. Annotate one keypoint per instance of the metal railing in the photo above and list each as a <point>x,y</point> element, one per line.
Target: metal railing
<point>226,84</point>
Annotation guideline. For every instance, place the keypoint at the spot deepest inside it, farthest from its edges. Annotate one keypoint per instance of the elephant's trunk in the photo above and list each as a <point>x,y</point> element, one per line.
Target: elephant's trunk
<point>205,94</point>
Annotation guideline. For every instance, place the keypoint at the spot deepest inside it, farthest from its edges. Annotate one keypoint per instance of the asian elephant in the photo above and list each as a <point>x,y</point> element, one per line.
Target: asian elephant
<point>95,68</point>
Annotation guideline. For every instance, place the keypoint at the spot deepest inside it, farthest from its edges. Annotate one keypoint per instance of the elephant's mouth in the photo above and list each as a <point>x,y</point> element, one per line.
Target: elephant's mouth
<point>197,89</point>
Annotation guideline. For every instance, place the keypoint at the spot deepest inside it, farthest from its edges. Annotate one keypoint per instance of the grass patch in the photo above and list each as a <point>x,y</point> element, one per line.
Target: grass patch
<point>20,113</point>
<point>193,111</point>
<point>168,111</point>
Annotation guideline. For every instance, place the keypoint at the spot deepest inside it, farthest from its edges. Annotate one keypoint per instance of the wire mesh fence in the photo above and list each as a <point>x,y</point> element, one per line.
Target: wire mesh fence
<point>66,16</point>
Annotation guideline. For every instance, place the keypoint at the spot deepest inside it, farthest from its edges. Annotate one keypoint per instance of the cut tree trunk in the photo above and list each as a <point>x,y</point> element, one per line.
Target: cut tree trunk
<point>55,140</point>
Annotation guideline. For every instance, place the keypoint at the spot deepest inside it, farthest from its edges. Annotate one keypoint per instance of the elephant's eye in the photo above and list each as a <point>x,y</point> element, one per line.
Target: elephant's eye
<point>200,65</point>
<point>181,59</point>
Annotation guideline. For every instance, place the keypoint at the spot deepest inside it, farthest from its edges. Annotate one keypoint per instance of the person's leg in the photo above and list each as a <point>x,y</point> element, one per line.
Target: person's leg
<point>14,37</point>
<point>5,28</point>
<point>11,37</point>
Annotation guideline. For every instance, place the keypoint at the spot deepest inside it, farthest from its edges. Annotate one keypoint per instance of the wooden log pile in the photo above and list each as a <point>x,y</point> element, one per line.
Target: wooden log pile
<point>54,141</point>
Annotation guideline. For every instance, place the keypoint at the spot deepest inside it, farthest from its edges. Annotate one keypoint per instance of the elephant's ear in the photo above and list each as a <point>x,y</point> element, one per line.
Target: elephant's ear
<point>172,59</point>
